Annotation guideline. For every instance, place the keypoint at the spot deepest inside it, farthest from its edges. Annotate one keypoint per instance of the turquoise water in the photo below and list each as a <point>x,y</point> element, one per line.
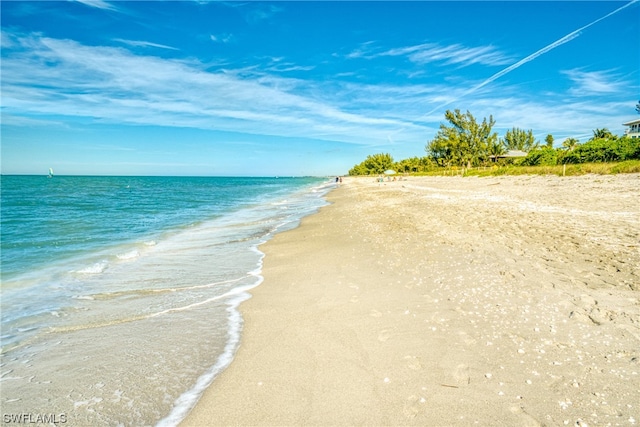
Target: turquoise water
<point>120,294</point>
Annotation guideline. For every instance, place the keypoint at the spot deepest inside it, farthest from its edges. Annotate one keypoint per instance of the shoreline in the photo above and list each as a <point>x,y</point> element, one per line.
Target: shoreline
<point>445,301</point>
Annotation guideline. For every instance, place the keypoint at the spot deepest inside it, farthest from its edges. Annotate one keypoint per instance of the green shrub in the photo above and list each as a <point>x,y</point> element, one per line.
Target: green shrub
<point>604,150</point>
<point>543,156</point>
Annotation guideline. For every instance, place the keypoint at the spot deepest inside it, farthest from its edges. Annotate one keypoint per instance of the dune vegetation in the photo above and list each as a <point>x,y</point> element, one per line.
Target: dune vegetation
<point>464,146</point>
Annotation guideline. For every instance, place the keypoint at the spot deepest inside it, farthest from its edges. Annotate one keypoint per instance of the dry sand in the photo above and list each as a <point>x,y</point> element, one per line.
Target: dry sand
<point>446,301</point>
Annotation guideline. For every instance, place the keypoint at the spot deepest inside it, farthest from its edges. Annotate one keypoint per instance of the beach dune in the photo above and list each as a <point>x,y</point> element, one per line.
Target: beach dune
<point>445,301</point>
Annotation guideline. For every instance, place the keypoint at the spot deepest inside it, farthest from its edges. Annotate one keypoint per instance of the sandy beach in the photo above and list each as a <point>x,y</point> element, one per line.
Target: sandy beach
<point>439,301</point>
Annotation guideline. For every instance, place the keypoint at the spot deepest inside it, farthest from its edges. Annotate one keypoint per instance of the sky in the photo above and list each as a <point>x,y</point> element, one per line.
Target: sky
<point>293,88</point>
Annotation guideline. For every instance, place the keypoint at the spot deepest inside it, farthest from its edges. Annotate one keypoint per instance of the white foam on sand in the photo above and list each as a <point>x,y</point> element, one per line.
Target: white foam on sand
<point>187,400</point>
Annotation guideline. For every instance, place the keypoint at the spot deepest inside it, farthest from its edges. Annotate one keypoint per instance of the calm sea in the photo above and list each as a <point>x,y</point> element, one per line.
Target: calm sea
<point>119,295</point>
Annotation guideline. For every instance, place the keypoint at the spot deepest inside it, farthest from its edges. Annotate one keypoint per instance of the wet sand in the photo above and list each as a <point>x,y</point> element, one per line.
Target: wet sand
<point>446,301</point>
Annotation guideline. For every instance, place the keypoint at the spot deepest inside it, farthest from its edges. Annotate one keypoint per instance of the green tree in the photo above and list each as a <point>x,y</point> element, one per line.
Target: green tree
<point>374,164</point>
<point>602,134</point>
<point>464,141</point>
<point>358,169</point>
<point>519,139</point>
<point>413,164</point>
<point>378,163</point>
<point>549,140</point>
<point>570,144</point>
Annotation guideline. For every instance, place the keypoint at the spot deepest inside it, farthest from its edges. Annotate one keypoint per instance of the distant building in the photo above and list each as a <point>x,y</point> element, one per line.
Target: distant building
<point>633,131</point>
<point>511,154</point>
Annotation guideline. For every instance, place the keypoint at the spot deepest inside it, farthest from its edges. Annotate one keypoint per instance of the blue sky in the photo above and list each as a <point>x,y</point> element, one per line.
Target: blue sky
<point>298,88</point>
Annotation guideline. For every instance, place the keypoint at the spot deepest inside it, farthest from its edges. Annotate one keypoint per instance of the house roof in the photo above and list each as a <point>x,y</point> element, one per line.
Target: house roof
<point>510,153</point>
<point>632,122</point>
<point>514,153</point>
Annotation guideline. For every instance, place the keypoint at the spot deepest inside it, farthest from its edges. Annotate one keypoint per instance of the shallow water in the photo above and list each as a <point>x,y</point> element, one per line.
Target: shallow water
<point>119,294</point>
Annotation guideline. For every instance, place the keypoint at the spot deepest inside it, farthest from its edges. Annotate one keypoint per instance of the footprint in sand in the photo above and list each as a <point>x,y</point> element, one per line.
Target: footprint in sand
<point>467,339</point>
<point>413,363</point>
<point>375,313</point>
<point>384,335</point>
<point>461,374</point>
<point>412,407</point>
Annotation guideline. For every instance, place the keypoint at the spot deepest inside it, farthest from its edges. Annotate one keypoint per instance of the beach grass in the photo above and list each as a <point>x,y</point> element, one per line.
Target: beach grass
<point>629,166</point>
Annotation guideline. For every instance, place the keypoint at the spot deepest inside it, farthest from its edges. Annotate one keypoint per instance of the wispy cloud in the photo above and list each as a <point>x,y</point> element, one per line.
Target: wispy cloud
<point>140,43</point>
<point>365,50</point>
<point>572,35</point>
<point>277,65</point>
<point>594,82</point>
<point>21,121</point>
<point>291,67</point>
<point>100,4</point>
<point>452,54</point>
<point>221,38</point>
<point>63,80</point>
<point>45,77</point>
<point>559,116</point>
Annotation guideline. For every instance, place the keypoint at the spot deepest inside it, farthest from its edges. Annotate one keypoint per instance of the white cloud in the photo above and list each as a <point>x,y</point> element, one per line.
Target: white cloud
<point>453,54</point>
<point>364,51</point>
<point>557,115</point>
<point>561,41</point>
<point>100,4</point>
<point>221,38</point>
<point>594,82</point>
<point>140,43</point>
<point>46,76</point>
<point>11,120</point>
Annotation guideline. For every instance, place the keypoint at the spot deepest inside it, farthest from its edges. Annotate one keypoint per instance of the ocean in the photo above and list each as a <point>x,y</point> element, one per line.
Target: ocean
<point>119,295</point>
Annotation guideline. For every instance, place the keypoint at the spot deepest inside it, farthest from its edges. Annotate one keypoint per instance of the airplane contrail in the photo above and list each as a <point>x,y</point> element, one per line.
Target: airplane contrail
<point>572,35</point>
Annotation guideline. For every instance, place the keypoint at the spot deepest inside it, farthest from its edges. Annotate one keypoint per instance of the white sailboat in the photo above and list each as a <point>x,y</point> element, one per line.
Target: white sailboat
<point>50,173</point>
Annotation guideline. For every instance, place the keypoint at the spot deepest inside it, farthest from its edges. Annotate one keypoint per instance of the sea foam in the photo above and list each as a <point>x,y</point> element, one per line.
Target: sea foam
<point>128,255</point>
<point>95,268</point>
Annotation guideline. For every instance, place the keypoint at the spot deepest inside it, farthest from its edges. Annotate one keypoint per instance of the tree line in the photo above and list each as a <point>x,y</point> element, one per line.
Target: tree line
<point>465,142</point>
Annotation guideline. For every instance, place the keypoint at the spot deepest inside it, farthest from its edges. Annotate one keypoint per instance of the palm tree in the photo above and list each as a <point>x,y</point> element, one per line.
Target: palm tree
<point>570,144</point>
<point>603,133</point>
<point>495,149</point>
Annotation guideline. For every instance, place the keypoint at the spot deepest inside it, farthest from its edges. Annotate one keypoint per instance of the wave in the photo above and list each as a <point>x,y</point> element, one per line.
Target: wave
<point>188,399</point>
<point>242,290</point>
<point>129,255</point>
<point>95,268</point>
<point>146,292</point>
